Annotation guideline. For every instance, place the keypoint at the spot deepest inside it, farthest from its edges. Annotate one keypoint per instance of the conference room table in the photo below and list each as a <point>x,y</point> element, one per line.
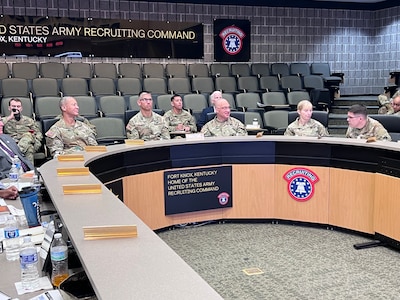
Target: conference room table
<point>350,184</point>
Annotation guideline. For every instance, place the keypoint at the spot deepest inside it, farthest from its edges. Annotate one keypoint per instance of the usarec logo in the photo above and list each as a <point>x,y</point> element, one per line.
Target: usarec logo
<point>301,183</point>
<point>223,198</point>
<point>232,39</point>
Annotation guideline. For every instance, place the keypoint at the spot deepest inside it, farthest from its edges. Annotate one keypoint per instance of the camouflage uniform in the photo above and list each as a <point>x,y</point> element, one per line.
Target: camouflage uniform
<point>64,139</point>
<point>311,128</point>
<point>371,129</point>
<point>82,119</point>
<point>172,120</point>
<point>148,129</point>
<point>230,127</point>
<point>26,133</point>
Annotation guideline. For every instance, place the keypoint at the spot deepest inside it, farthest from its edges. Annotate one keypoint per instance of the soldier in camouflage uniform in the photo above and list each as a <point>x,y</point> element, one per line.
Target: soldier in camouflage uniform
<point>304,125</point>
<point>69,134</point>
<point>223,124</point>
<point>146,124</point>
<point>363,127</point>
<point>178,119</point>
<point>24,130</point>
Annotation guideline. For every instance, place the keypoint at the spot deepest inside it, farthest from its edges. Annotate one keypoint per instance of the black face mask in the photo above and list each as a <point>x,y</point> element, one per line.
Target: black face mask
<point>17,114</point>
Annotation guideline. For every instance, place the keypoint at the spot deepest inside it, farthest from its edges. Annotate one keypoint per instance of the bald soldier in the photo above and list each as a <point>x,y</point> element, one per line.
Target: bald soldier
<point>223,124</point>
<point>69,134</point>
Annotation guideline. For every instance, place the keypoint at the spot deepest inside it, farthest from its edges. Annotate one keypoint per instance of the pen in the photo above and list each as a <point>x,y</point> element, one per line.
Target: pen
<point>47,294</point>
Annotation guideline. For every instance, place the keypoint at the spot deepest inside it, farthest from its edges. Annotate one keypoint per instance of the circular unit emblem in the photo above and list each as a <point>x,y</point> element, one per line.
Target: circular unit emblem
<point>232,39</point>
<point>223,198</point>
<point>301,183</point>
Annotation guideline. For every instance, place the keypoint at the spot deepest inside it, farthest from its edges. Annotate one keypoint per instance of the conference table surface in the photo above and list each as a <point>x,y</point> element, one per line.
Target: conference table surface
<point>143,267</point>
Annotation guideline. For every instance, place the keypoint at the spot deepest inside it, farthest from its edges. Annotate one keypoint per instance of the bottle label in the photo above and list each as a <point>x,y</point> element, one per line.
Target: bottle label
<point>28,259</point>
<point>58,256</point>
<point>13,176</point>
<point>11,233</point>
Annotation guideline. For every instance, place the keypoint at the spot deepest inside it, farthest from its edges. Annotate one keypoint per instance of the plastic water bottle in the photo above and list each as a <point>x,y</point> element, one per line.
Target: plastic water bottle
<point>11,233</point>
<point>13,175</point>
<point>17,162</point>
<point>59,260</point>
<point>28,258</point>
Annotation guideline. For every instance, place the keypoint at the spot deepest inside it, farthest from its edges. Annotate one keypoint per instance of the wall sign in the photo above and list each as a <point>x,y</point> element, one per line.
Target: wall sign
<point>197,189</point>
<point>84,37</point>
<point>231,40</point>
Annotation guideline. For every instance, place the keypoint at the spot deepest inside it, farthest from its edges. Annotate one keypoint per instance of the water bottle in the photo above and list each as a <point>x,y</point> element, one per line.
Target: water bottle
<point>28,258</point>
<point>13,175</point>
<point>17,162</point>
<point>59,260</point>
<point>11,233</point>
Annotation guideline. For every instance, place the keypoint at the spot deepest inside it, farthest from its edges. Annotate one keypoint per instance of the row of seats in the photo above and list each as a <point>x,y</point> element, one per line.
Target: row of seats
<point>58,70</point>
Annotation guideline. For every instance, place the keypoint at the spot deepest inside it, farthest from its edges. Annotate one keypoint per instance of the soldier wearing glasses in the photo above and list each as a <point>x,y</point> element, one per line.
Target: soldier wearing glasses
<point>146,124</point>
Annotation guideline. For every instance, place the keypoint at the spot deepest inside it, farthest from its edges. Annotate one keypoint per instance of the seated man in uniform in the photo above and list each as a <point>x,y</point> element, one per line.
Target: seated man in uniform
<point>146,124</point>
<point>69,134</point>
<point>22,129</point>
<point>363,127</point>
<point>223,124</point>
<point>178,119</point>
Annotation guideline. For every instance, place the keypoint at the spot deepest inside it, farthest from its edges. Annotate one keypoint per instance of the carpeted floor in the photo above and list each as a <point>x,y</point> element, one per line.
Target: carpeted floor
<point>298,262</point>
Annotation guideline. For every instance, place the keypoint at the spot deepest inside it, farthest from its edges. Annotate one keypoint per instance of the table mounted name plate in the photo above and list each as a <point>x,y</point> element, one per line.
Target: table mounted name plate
<point>100,148</point>
<point>70,157</point>
<point>109,232</point>
<point>134,142</point>
<point>70,189</point>
<point>83,171</point>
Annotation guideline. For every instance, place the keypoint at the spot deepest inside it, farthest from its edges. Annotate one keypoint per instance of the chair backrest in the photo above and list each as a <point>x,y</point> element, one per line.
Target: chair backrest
<point>322,69</point>
<point>43,87</point>
<point>219,70</point>
<point>109,130</point>
<point>178,85</point>
<point>295,97</point>
<point>25,70</point>
<point>52,70</point>
<point>390,122</point>
<point>300,69</point>
<point>226,84</point>
<point>106,70</point>
<point>203,85</point>
<point>155,85</point>
<point>198,70</point>
<point>251,115</point>
<point>79,70</point>
<point>269,83</point>
<point>274,98</point>
<point>26,105</point>
<point>291,83</point>
<point>4,70</point>
<point>280,69</point>
<point>248,100</point>
<point>102,86</point>
<point>313,82</point>
<point>130,70</point>
<point>176,70</point>
<point>87,106</point>
<point>248,84</point>
<point>15,87</point>
<point>228,97</point>
<point>47,107</point>
<point>113,106</point>
<point>74,87</point>
<point>240,70</point>
<point>276,118</point>
<point>260,69</point>
<point>129,86</point>
<point>152,70</point>
<point>47,123</point>
<point>164,102</point>
<point>320,116</point>
<point>195,102</point>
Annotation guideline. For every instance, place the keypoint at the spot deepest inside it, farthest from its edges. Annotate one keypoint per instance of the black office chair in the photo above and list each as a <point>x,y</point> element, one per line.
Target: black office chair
<point>391,124</point>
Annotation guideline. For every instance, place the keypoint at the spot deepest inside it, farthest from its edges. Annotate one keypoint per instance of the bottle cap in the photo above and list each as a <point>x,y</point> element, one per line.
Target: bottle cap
<point>57,235</point>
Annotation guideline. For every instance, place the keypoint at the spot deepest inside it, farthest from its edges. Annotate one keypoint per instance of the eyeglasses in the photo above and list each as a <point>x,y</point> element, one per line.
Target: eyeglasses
<point>146,99</point>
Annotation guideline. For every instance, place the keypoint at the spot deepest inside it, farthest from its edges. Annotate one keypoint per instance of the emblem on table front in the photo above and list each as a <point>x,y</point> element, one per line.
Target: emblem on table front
<point>301,183</point>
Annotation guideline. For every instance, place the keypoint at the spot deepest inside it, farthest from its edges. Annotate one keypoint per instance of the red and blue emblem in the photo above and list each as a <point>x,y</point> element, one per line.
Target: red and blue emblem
<point>223,198</point>
<point>301,183</point>
<point>232,39</point>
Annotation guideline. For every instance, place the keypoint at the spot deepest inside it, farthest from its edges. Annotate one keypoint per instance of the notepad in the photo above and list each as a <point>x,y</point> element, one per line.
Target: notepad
<point>109,232</point>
